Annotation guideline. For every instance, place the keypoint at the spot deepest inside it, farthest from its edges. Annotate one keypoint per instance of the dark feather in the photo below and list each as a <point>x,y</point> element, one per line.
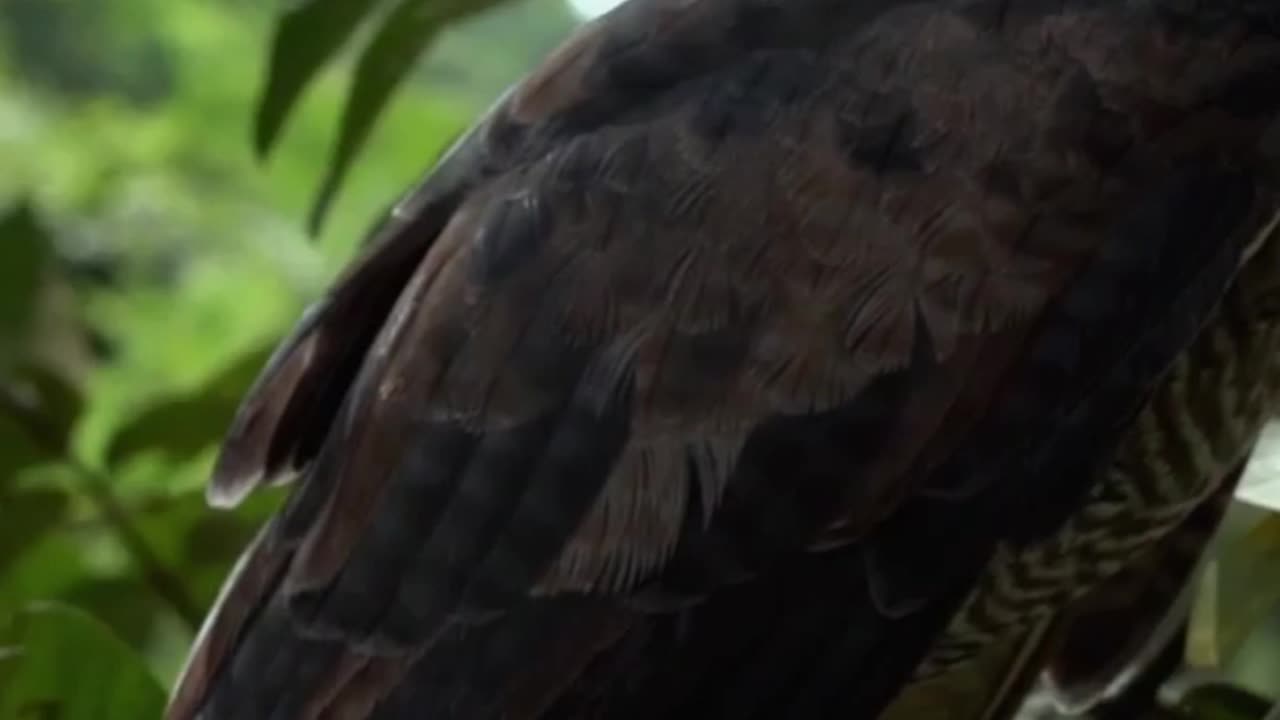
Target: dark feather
<point>737,325</point>
<point>1112,583</point>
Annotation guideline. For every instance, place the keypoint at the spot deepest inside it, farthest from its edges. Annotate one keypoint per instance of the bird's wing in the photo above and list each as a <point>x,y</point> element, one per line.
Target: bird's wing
<point>1229,390</point>
<point>1179,461</point>
<point>1088,652</point>
<point>721,283</point>
<point>988,686</point>
<point>1140,610</point>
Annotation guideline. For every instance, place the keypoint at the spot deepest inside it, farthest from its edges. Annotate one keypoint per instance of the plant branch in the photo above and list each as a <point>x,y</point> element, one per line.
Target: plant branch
<point>164,582</point>
<point>97,488</point>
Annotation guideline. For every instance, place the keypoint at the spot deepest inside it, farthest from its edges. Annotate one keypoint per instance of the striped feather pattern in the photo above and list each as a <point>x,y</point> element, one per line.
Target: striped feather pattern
<point>1201,421</point>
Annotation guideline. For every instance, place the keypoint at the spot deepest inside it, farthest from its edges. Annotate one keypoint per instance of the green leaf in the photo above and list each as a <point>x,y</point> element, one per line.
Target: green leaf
<point>61,663</point>
<point>1252,583</point>
<point>131,621</point>
<point>38,410</point>
<point>186,534</point>
<point>43,402</point>
<point>58,403</point>
<point>17,449</point>
<point>1239,589</point>
<point>384,64</point>
<point>311,34</point>
<point>186,425</point>
<point>48,565</point>
<point>306,37</point>
<point>27,250</point>
<point>25,517</point>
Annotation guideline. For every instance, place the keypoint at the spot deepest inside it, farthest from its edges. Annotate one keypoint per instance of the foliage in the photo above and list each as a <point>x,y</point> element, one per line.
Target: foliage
<point>61,663</point>
<point>310,34</point>
<point>151,262</point>
<point>27,252</point>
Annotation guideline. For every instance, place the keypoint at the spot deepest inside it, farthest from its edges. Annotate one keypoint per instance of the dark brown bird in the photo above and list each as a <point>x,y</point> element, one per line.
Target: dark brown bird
<point>723,364</point>
<point>1125,559</point>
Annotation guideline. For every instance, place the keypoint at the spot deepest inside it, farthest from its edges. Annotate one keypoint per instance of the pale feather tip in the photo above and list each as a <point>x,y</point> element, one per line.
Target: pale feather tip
<point>228,491</point>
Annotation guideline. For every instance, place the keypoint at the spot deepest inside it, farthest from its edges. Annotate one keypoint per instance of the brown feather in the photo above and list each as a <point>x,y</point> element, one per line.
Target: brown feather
<point>580,348</point>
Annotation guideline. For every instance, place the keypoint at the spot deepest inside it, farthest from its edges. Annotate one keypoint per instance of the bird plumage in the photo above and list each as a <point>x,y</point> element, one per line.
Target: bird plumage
<point>1091,603</point>
<point>1084,653</point>
<point>711,369</point>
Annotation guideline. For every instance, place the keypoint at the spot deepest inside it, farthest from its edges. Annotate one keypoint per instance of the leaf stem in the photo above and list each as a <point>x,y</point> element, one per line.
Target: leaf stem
<point>166,584</point>
<point>97,488</point>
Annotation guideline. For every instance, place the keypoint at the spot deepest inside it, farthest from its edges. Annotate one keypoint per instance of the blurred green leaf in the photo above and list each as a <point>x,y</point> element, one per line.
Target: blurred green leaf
<point>61,663</point>
<point>184,533</point>
<point>44,402</point>
<point>384,64</point>
<point>125,604</point>
<point>84,49</point>
<point>17,450</point>
<point>183,426</point>
<point>47,565</point>
<point>58,403</point>
<point>1248,585</point>
<point>306,37</point>
<point>27,251</point>
<point>27,516</point>
<point>309,35</point>
<point>38,410</point>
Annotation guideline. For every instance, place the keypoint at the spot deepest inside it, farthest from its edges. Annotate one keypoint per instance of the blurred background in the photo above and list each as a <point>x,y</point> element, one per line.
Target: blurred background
<point>178,178</point>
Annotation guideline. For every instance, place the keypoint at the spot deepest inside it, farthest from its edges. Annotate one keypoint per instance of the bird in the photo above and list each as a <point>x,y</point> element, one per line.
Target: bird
<point>1126,565</point>
<point>720,366</point>
<point>1110,645</point>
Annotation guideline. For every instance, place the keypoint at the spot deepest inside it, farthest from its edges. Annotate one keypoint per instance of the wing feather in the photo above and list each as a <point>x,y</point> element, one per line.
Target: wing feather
<point>724,283</point>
